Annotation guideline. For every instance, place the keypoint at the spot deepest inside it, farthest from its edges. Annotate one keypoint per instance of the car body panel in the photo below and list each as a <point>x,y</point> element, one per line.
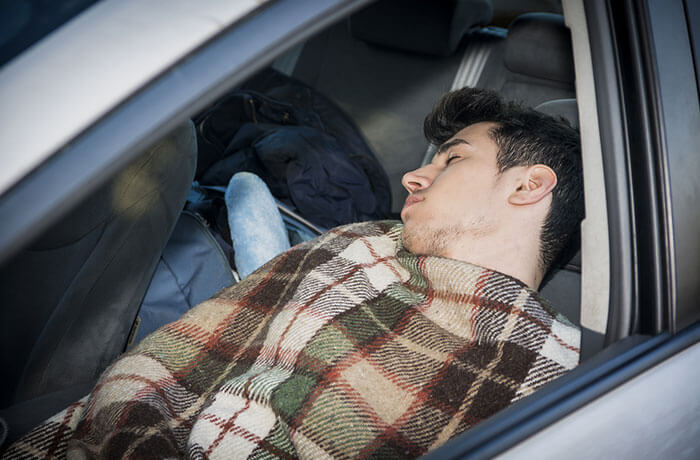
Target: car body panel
<point>652,416</point>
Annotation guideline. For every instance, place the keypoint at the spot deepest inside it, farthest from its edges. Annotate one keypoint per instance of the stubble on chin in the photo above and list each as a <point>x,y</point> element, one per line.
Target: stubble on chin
<point>430,241</point>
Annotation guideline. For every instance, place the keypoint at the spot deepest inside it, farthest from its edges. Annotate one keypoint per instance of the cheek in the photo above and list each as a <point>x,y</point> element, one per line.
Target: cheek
<point>478,205</point>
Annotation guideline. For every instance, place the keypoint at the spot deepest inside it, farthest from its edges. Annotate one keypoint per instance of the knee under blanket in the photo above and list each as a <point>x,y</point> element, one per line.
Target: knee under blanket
<point>346,346</point>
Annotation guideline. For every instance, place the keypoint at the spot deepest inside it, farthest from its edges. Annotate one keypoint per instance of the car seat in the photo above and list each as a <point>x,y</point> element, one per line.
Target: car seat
<point>70,299</point>
<point>534,63</point>
<point>422,26</point>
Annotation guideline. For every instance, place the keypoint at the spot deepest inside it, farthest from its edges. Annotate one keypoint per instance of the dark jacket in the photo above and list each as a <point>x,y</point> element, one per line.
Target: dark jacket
<point>308,152</point>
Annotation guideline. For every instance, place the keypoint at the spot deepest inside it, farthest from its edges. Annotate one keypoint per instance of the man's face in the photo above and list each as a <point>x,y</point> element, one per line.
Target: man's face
<point>457,199</point>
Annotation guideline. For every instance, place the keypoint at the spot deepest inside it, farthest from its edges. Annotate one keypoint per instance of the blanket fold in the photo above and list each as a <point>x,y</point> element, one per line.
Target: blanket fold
<point>347,346</point>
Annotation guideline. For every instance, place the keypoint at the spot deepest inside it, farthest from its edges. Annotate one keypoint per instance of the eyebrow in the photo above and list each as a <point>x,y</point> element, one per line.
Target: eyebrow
<point>446,145</point>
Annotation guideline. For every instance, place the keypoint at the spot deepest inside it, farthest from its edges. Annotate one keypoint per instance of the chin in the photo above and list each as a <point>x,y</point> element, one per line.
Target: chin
<point>408,239</point>
<point>417,239</point>
<point>426,240</point>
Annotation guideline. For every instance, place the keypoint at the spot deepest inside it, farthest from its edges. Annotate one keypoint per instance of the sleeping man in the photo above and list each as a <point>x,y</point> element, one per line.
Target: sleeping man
<point>381,339</point>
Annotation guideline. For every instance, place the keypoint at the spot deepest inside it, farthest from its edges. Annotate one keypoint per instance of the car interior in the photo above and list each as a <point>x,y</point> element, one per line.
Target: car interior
<point>153,242</point>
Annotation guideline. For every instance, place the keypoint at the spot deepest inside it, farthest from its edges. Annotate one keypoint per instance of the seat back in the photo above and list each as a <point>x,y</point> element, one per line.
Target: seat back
<point>533,63</point>
<point>69,300</point>
<point>436,27</point>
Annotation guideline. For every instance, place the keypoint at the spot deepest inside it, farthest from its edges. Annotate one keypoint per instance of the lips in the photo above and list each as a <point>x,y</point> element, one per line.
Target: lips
<point>410,200</point>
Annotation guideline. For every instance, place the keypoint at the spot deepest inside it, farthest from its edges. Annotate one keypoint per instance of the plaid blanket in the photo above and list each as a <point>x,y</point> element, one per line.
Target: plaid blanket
<point>344,346</point>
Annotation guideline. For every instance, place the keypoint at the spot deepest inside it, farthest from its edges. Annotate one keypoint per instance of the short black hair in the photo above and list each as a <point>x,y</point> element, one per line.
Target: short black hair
<point>524,137</point>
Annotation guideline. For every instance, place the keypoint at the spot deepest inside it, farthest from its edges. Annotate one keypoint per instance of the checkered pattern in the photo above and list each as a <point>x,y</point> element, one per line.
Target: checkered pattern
<point>347,346</point>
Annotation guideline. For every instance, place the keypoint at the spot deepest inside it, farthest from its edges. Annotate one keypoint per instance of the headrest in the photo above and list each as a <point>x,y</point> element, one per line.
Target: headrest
<point>565,108</point>
<point>539,45</point>
<point>423,26</point>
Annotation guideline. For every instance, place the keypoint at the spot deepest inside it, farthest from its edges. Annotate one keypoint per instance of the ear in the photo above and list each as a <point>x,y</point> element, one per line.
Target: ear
<point>535,183</point>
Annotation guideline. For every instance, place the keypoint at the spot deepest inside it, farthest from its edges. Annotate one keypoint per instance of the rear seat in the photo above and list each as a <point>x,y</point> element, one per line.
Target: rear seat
<point>533,63</point>
<point>530,62</point>
<point>436,28</point>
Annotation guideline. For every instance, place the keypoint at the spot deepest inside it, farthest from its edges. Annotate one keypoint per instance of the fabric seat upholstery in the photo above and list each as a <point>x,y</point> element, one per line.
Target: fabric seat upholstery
<point>533,62</point>
<point>69,300</point>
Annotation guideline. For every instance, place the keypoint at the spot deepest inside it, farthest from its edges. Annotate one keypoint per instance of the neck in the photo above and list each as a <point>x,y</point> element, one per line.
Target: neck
<point>512,255</point>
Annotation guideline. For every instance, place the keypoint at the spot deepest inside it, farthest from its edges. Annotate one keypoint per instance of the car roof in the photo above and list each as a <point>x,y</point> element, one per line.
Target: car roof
<point>64,83</point>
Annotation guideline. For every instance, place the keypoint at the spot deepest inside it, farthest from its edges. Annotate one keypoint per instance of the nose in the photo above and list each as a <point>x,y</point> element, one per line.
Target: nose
<point>417,179</point>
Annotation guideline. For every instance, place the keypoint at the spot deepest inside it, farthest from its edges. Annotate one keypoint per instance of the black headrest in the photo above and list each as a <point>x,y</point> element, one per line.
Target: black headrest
<point>539,45</point>
<point>565,108</point>
<point>423,26</point>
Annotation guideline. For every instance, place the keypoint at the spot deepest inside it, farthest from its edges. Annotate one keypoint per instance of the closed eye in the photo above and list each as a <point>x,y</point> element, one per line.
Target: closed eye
<point>452,157</point>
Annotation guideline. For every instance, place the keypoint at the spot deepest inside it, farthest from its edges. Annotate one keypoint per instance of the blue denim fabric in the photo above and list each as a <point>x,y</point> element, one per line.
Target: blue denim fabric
<point>257,230</point>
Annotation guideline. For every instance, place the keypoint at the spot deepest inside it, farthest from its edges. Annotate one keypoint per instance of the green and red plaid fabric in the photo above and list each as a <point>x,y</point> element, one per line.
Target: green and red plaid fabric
<point>347,346</point>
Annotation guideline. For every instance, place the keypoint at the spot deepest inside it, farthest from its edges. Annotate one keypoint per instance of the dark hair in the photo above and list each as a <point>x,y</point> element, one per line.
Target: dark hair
<point>524,137</point>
